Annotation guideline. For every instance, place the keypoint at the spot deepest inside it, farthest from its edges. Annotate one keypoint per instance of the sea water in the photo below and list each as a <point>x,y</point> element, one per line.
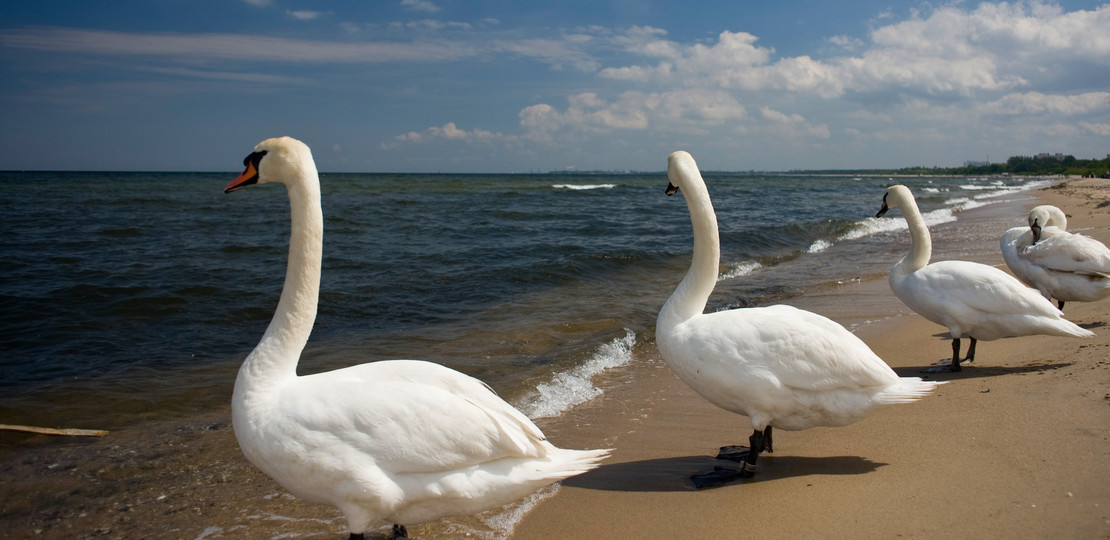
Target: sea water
<point>135,296</point>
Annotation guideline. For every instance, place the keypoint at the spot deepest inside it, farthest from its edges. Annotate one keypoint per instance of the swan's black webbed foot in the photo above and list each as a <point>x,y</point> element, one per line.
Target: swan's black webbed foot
<point>399,532</point>
<point>354,536</point>
<point>953,365</point>
<point>733,453</point>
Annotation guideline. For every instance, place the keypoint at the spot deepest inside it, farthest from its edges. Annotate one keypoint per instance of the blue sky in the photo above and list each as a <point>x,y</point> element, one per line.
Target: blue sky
<point>499,86</point>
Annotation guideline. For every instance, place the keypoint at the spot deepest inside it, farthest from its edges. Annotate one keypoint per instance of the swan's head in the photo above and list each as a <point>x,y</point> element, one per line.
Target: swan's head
<point>280,159</point>
<point>681,167</point>
<point>895,196</point>
<point>1043,216</point>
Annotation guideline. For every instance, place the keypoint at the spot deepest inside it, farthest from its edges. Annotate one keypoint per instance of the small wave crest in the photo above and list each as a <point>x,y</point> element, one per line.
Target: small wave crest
<point>572,387</point>
<point>818,246</point>
<point>740,270</point>
<point>583,186</point>
<point>873,226</point>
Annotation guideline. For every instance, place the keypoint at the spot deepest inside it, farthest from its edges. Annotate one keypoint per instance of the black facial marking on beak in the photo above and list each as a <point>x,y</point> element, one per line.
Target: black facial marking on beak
<point>671,189</point>
<point>1036,229</point>
<point>250,173</point>
<point>884,209</point>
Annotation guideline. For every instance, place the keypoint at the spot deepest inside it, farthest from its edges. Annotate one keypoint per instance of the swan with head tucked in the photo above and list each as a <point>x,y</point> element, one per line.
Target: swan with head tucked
<point>398,441</point>
<point>1062,265</point>
<point>972,300</point>
<point>780,366</point>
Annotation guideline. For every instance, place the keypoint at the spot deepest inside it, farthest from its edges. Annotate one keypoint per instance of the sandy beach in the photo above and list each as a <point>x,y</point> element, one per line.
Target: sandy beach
<point>1014,446</point>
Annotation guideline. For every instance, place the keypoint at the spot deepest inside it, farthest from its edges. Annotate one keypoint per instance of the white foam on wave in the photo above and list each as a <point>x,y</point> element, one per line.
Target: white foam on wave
<point>873,226</point>
<point>572,387</point>
<point>584,186</point>
<point>818,246</point>
<point>740,270</point>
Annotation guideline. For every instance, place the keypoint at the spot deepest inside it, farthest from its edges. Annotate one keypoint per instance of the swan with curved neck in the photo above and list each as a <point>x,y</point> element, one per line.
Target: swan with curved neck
<point>396,441</point>
<point>972,300</point>
<point>780,366</point>
<point>1059,264</point>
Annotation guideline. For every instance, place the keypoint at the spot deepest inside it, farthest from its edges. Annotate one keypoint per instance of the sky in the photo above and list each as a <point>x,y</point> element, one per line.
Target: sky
<point>508,86</point>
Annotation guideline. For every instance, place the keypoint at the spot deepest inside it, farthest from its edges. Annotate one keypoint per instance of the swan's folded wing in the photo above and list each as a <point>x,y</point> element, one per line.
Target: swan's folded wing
<point>801,349</point>
<point>514,423</point>
<point>962,288</point>
<point>1068,252</point>
<point>404,427</point>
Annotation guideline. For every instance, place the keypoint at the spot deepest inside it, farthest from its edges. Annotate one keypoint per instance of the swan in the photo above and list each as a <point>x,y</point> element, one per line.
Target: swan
<point>1057,263</point>
<point>400,441</point>
<point>973,300</point>
<point>780,366</point>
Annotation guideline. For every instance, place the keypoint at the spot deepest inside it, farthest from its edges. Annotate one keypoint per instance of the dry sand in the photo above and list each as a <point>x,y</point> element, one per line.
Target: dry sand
<point>1015,446</point>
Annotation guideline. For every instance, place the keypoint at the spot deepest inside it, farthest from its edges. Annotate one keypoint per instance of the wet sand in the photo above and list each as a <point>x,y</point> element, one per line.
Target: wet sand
<point>1016,445</point>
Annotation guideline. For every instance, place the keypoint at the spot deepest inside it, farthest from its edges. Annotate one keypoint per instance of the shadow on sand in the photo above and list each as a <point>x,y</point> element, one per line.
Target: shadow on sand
<point>673,474</point>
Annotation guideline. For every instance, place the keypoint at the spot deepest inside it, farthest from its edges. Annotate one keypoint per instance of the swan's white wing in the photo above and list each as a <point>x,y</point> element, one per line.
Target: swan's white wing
<point>515,423</point>
<point>1067,252</point>
<point>404,426</point>
<point>978,287</point>
<point>1012,243</point>
<point>799,349</point>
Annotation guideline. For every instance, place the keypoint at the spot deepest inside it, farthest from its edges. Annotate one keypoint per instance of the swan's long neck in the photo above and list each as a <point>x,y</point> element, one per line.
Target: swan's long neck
<point>275,357</point>
<point>921,246</point>
<point>1057,218</point>
<point>689,299</point>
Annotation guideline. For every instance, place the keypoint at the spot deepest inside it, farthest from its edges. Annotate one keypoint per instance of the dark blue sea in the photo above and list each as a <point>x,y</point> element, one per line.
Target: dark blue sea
<point>135,296</point>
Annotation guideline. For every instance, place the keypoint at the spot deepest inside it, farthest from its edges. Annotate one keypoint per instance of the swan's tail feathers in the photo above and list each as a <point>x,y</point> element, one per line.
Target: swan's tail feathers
<point>567,463</point>
<point>906,390</point>
<point>1068,328</point>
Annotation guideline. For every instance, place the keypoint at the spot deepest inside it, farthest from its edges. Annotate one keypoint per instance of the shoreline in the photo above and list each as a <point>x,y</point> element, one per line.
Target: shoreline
<point>1015,445</point>
<point>1012,446</point>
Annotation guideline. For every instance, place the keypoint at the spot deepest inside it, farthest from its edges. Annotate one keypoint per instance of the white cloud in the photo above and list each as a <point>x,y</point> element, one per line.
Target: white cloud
<point>949,51</point>
<point>448,131</point>
<point>420,5</point>
<point>688,110</point>
<point>1095,128</point>
<point>303,15</point>
<point>193,47</point>
<point>847,42</point>
<point>793,125</point>
<point>1038,103</point>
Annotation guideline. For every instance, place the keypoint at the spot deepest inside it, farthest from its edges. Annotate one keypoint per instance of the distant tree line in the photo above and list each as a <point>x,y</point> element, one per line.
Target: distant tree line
<point>1022,165</point>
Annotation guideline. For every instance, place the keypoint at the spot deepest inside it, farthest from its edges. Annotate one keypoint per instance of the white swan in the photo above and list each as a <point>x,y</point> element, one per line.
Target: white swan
<point>973,300</point>
<point>780,366</point>
<point>1062,265</point>
<point>399,441</point>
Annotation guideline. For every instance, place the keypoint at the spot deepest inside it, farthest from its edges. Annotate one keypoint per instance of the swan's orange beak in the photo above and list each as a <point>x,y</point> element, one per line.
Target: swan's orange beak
<point>249,176</point>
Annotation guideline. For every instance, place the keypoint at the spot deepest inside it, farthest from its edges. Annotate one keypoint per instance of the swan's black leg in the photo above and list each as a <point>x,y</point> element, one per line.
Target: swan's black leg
<point>971,351</point>
<point>399,531</point>
<point>354,536</point>
<point>1061,306</point>
<point>955,364</point>
<point>758,442</point>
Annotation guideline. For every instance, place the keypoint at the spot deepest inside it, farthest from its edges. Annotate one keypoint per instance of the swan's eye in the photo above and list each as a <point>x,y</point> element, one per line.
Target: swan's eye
<point>254,157</point>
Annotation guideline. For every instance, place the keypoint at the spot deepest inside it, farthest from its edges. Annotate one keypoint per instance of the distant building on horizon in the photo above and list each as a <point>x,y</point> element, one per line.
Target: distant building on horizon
<point>977,163</point>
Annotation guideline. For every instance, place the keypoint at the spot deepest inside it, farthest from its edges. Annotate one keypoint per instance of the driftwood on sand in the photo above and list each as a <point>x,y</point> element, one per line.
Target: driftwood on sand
<point>53,431</point>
